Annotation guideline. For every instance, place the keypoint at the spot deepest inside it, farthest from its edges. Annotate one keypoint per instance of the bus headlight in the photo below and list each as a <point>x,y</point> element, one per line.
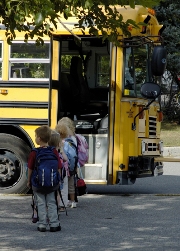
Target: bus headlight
<point>160,147</point>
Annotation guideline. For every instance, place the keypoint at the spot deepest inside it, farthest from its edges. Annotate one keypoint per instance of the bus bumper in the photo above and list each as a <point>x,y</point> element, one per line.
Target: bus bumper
<point>139,167</point>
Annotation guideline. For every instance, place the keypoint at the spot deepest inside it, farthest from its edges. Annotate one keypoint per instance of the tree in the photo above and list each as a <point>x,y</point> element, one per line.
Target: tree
<point>39,14</point>
<point>168,14</point>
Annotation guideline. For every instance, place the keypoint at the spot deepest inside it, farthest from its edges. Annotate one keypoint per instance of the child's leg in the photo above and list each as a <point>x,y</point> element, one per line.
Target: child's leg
<point>52,211</point>
<point>71,191</point>
<point>58,198</point>
<point>64,192</point>
<point>42,212</point>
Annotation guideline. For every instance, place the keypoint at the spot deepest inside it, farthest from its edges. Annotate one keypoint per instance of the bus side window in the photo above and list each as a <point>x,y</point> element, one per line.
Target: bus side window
<point>14,74</point>
<point>21,72</point>
<point>26,60</point>
<point>129,73</point>
<point>103,70</point>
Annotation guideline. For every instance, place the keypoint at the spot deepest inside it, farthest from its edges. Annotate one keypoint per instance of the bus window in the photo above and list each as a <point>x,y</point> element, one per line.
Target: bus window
<point>141,67</point>
<point>103,70</point>
<point>65,63</point>
<point>29,61</point>
<point>0,59</point>
<point>20,72</point>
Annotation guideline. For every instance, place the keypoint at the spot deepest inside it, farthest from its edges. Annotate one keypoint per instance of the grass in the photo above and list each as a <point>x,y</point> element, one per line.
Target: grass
<point>170,133</point>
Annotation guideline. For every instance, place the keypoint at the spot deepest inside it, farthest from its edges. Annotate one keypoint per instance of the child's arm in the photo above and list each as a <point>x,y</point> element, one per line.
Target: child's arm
<point>60,172</point>
<point>65,158</point>
<point>59,160</point>
<point>31,166</point>
<point>29,177</point>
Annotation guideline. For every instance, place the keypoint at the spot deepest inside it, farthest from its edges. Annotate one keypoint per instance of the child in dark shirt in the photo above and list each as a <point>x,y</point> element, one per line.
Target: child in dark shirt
<point>45,197</point>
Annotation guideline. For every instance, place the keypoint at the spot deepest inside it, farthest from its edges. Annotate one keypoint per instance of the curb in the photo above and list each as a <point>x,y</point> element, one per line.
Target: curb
<point>171,152</point>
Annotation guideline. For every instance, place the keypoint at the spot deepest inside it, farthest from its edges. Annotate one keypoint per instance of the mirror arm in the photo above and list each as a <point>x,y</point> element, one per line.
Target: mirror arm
<point>145,108</point>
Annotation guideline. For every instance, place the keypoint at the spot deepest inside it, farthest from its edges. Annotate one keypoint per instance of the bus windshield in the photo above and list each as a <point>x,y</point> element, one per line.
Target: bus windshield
<point>136,69</point>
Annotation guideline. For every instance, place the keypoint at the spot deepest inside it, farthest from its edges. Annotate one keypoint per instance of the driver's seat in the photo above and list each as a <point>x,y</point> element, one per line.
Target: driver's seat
<point>84,98</point>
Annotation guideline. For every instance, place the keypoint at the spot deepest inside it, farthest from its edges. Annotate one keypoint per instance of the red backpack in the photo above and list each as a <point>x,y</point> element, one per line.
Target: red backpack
<point>81,188</point>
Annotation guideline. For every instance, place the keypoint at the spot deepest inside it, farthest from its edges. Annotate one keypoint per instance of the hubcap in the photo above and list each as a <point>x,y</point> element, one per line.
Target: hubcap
<point>9,168</point>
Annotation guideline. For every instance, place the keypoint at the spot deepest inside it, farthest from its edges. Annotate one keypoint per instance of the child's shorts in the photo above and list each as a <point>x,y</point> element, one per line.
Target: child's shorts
<point>71,186</point>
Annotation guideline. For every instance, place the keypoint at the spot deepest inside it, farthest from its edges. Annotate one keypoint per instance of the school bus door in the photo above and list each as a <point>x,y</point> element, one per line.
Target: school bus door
<point>115,113</point>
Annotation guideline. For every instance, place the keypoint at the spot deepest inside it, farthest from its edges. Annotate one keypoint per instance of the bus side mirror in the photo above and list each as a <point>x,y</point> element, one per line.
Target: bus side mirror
<point>158,62</point>
<point>150,90</point>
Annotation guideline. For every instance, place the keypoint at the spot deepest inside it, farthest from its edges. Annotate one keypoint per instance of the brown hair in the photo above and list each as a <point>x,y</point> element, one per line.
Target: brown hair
<point>44,132</point>
<point>54,139</point>
<point>62,130</point>
<point>69,123</point>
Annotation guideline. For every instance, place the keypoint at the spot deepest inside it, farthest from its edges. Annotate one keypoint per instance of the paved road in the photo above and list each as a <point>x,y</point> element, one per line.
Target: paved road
<point>168,183</point>
<point>141,217</point>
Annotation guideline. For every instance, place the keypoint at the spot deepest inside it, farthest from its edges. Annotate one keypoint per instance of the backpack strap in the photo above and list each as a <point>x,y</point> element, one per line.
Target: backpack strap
<point>71,142</point>
<point>34,205</point>
<point>60,194</point>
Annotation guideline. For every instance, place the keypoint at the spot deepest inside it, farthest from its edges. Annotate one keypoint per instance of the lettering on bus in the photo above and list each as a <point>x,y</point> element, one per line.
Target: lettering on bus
<point>130,114</point>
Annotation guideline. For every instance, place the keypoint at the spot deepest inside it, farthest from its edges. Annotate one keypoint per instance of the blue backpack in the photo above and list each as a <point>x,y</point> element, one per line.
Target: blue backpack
<point>45,174</point>
<point>70,150</point>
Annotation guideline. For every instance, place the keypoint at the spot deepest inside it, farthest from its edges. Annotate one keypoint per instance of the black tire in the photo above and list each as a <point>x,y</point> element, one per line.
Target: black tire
<point>13,164</point>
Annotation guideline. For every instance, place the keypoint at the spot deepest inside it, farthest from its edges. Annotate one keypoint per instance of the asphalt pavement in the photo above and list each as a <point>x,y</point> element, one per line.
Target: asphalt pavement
<point>101,222</point>
<point>141,217</point>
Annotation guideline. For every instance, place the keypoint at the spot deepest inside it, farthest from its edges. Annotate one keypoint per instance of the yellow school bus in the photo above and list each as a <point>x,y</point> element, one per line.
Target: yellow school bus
<point>112,94</point>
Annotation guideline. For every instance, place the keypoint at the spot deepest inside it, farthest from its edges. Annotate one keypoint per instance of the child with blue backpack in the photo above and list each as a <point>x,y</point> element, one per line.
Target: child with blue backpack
<point>82,153</point>
<point>44,170</point>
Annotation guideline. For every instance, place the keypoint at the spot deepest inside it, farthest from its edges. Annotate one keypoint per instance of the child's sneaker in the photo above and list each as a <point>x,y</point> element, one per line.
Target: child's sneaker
<point>69,204</point>
<point>35,219</point>
<point>62,209</point>
<point>73,205</point>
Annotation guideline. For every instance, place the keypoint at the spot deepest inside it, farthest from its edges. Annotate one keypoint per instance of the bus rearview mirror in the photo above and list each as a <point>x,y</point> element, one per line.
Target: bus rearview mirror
<point>150,90</point>
<point>158,62</point>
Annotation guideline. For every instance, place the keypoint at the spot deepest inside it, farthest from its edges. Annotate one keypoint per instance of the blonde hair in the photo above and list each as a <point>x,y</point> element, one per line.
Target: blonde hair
<point>54,139</point>
<point>69,123</point>
<point>44,132</point>
<point>62,130</point>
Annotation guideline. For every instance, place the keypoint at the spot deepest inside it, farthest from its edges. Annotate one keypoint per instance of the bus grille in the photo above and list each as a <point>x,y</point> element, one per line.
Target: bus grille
<point>151,147</point>
<point>152,127</point>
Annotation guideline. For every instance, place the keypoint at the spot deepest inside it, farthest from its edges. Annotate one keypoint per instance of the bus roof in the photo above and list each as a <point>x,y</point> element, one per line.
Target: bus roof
<point>64,26</point>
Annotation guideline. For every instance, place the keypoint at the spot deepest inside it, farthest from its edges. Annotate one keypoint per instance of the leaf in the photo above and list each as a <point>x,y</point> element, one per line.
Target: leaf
<point>38,18</point>
<point>88,4</point>
<point>132,3</point>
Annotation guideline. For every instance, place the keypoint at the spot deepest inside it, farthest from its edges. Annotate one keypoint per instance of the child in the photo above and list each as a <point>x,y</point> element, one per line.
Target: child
<point>56,141</point>
<point>45,196</point>
<point>70,126</point>
<point>66,129</point>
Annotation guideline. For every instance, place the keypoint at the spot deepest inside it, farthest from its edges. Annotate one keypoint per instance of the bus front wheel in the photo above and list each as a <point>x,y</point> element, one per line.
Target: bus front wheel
<point>13,164</point>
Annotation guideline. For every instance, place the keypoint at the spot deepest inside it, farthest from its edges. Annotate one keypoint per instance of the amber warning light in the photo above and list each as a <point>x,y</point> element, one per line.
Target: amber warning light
<point>160,116</point>
<point>151,11</point>
<point>3,91</point>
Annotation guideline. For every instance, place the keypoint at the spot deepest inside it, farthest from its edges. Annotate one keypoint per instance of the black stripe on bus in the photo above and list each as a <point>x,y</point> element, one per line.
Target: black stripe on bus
<point>25,104</point>
<point>23,121</point>
<point>24,84</point>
